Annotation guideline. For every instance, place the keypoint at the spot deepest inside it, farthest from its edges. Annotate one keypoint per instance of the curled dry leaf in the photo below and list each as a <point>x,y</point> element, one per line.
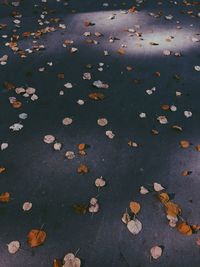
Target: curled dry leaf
<point>13,247</point>
<point>57,146</point>
<point>184,228</point>
<point>134,207</point>
<point>5,197</point>
<point>156,252</point>
<point>172,220</point>
<point>70,260</point>
<point>158,187</point>
<point>126,218</point>
<point>134,226</point>
<point>36,238</point>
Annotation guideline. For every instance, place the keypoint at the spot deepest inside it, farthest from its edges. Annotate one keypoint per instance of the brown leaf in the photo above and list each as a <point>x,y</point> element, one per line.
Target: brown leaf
<point>80,208</point>
<point>2,169</point>
<point>198,148</point>
<point>36,238</point>
<point>8,85</point>
<point>5,197</point>
<point>96,96</point>
<point>82,169</point>
<point>165,107</point>
<point>135,207</point>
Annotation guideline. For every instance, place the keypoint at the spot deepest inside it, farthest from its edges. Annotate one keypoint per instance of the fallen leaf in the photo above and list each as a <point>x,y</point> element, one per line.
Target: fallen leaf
<point>5,197</point>
<point>80,208</point>
<point>126,218</point>
<point>184,228</point>
<point>82,169</point>
<point>156,252</point>
<point>27,206</point>
<point>134,226</point>
<point>143,190</point>
<point>70,260</point>
<point>135,207</point>
<point>57,263</point>
<point>172,209</point>
<point>184,144</point>
<point>96,96</point>
<point>36,238</point>
<point>100,182</point>
<point>13,247</point>
<point>158,187</point>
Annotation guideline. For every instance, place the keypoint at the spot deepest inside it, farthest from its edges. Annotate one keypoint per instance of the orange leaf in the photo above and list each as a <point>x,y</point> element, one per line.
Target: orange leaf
<point>172,209</point>
<point>82,146</point>
<point>36,238</point>
<point>184,228</point>
<point>165,107</point>
<point>5,197</point>
<point>184,144</point>
<point>17,104</point>
<point>198,148</point>
<point>135,207</point>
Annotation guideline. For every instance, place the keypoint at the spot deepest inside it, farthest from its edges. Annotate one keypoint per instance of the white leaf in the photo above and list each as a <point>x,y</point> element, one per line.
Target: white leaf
<point>68,85</point>
<point>197,68</point>
<point>57,146</point>
<point>23,116</point>
<point>100,182</point>
<point>71,261</point>
<point>13,247</point>
<point>67,121</point>
<point>48,139</point>
<point>110,134</point>
<point>158,187</point>
<point>102,122</point>
<point>27,206</point>
<point>156,252</point>
<point>4,146</point>
<point>134,226</point>
<point>162,120</point>
<point>143,190</point>
<point>16,127</point>
<point>187,114</point>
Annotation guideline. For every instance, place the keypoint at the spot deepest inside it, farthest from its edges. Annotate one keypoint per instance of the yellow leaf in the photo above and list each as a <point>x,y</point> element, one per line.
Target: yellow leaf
<point>172,209</point>
<point>163,197</point>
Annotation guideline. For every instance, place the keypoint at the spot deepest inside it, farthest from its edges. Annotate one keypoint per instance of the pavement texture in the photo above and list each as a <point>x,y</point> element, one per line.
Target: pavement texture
<point>146,56</point>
